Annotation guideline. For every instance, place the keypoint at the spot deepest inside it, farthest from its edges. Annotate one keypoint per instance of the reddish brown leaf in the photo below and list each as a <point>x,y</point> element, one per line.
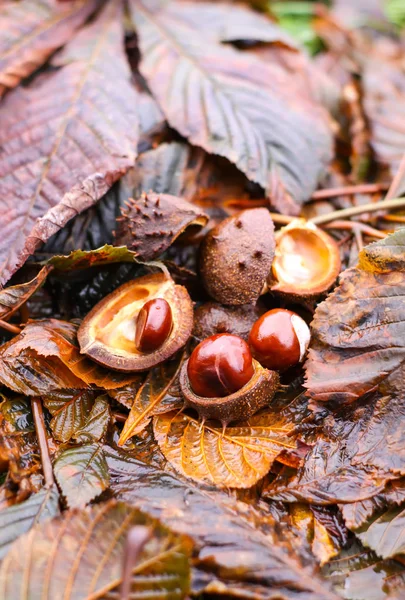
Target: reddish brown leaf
<point>45,357</point>
<point>65,138</point>
<point>235,105</point>
<point>11,298</point>
<point>30,31</point>
<point>219,22</point>
<point>358,342</point>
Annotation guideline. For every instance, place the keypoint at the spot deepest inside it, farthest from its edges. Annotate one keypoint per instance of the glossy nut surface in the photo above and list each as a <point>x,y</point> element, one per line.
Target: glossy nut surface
<point>220,366</point>
<point>153,325</point>
<point>279,339</point>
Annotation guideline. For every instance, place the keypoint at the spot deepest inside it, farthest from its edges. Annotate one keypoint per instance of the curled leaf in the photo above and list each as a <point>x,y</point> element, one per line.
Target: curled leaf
<point>13,297</point>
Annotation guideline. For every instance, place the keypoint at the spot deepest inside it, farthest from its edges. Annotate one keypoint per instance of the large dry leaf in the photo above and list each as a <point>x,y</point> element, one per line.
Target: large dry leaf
<point>235,105</point>
<point>30,31</point>
<point>79,557</point>
<point>220,22</point>
<point>65,138</point>
<point>46,357</point>
<point>13,297</point>
<point>82,474</point>
<point>152,398</point>
<point>17,520</point>
<point>238,545</point>
<point>238,457</point>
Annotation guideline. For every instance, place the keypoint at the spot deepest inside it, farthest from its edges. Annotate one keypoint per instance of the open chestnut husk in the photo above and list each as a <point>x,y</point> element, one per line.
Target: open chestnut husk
<point>125,331</point>
<point>223,364</point>
<point>306,262</point>
<point>236,257</point>
<point>212,318</point>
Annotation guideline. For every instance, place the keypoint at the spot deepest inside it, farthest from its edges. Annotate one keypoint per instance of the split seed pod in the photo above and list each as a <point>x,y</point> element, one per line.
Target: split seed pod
<point>151,223</point>
<point>306,263</point>
<point>236,257</point>
<point>108,333</point>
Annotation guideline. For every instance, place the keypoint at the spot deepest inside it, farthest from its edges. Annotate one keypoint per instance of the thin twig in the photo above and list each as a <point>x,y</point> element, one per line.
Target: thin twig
<point>36,405</point>
<point>349,190</point>
<point>9,327</point>
<point>353,225</point>
<point>136,540</point>
<point>396,182</point>
<point>353,211</point>
<point>281,219</point>
<point>121,417</point>
<point>394,218</point>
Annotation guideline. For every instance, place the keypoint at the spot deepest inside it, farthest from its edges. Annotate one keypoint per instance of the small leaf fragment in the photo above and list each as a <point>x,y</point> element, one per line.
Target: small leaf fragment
<point>82,474</point>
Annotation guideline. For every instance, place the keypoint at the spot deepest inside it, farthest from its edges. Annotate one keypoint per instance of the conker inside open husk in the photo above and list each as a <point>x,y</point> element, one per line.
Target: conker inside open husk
<point>227,368</point>
<point>306,262</point>
<point>108,333</point>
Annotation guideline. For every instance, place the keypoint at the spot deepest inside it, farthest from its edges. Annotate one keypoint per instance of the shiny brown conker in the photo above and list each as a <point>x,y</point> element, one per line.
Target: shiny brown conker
<point>153,325</point>
<point>219,366</point>
<point>279,339</point>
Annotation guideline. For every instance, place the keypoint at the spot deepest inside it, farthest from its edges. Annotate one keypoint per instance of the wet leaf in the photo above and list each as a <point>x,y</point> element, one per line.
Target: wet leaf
<point>385,534</point>
<point>12,298</point>
<point>82,474</point>
<point>238,457</point>
<point>18,441</point>
<point>149,399</point>
<point>228,535</point>
<point>234,105</point>
<point>20,518</point>
<point>358,574</point>
<point>321,528</point>
<point>51,350</point>
<point>358,513</point>
<point>97,422</point>
<point>69,410</point>
<point>87,140</point>
<point>150,224</point>
<point>80,555</point>
<point>30,31</point>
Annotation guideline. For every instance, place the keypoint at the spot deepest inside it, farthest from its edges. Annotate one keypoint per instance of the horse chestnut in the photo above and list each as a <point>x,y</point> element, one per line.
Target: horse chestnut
<point>279,339</point>
<point>153,325</point>
<point>219,366</point>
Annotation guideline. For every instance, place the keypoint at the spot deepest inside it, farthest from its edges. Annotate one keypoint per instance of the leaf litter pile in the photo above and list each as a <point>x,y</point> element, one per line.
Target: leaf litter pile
<point>202,314</point>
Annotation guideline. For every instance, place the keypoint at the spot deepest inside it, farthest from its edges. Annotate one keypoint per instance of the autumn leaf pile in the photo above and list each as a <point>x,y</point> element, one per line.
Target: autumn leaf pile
<point>114,115</point>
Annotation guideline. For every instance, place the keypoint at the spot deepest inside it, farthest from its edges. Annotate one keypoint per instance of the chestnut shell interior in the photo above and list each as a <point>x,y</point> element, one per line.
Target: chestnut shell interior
<point>307,260</point>
<point>107,334</point>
